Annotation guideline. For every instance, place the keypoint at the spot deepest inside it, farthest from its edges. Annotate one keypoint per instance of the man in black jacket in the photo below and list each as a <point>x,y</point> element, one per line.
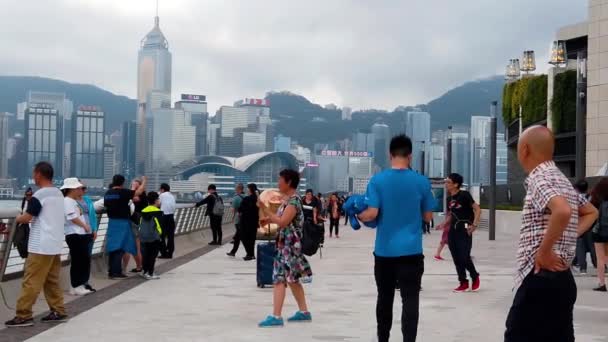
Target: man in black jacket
<point>215,220</point>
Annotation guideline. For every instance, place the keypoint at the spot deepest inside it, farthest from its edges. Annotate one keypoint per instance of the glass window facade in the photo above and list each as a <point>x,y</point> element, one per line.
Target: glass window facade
<point>43,137</point>
<point>87,144</point>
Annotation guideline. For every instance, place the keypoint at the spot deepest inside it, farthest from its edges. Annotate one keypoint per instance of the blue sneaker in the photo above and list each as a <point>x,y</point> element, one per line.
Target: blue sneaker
<point>300,317</point>
<point>271,322</point>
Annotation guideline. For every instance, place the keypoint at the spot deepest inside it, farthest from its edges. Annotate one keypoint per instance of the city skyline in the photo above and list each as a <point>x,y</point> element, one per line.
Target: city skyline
<point>205,59</point>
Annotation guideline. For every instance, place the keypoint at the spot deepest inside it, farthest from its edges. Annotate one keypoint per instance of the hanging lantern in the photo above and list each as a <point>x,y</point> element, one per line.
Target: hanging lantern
<point>558,53</point>
<point>528,63</point>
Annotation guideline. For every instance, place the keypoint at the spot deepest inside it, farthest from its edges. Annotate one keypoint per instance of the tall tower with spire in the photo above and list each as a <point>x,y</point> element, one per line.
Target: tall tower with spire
<point>153,82</point>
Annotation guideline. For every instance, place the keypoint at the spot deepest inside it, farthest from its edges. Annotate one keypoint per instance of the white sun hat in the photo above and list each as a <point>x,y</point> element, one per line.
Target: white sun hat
<point>71,183</point>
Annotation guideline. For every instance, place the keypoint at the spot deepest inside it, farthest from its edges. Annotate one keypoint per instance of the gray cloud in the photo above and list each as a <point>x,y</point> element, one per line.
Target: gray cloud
<point>359,53</point>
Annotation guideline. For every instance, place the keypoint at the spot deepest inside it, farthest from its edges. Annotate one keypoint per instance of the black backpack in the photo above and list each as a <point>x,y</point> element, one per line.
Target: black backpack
<point>312,236</point>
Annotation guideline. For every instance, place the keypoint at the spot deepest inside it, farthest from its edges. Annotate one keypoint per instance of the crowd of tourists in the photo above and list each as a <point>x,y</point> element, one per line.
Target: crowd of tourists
<point>140,225</point>
<point>557,222</point>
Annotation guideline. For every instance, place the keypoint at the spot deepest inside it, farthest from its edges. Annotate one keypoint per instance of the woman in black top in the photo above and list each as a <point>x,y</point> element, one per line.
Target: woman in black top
<point>250,218</point>
<point>310,207</point>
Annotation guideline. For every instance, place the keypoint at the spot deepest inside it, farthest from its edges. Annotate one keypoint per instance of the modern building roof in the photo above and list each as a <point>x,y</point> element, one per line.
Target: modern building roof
<point>242,164</point>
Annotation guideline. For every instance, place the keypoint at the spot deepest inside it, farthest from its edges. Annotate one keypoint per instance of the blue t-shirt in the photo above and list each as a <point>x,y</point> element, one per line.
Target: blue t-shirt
<point>401,196</point>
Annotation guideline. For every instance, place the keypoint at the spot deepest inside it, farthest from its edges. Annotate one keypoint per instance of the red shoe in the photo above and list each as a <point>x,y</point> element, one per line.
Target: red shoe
<point>475,286</point>
<point>438,258</point>
<point>464,287</point>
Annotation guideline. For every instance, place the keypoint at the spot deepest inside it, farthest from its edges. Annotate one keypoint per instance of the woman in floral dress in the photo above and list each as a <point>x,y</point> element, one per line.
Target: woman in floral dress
<point>290,265</point>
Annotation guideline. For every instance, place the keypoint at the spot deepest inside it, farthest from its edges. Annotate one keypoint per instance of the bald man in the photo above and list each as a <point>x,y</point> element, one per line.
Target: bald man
<point>554,215</point>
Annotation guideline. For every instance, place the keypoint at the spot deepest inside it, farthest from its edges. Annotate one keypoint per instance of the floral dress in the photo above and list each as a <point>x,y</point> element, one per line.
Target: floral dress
<point>290,265</point>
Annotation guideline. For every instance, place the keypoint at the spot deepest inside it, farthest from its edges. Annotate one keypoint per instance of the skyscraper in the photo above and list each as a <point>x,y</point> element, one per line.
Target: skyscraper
<point>108,169</point>
<point>501,159</point>
<point>153,73</point>
<point>282,143</point>
<point>436,158</point>
<point>418,128</point>
<point>87,146</point>
<point>480,150</point>
<point>460,155</point>
<point>172,139</point>
<point>382,140</point>
<point>363,142</point>
<point>246,116</point>
<point>128,152</point>
<point>196,107</point>
<point>45,115</point>
<point>4,144</point>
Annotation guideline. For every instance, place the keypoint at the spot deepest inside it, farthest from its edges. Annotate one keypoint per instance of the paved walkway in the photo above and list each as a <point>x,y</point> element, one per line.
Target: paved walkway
<point>214,298</point>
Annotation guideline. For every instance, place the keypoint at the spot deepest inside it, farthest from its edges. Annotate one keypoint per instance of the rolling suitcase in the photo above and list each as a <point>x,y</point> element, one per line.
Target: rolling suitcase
<point>265,260</point>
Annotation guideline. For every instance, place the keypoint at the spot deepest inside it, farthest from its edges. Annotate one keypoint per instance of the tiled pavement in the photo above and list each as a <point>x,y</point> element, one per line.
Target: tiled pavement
<point>214,298</point>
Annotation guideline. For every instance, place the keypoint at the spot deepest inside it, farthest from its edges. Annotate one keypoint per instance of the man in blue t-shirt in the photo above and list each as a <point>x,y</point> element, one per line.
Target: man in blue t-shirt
<point>399,199</point>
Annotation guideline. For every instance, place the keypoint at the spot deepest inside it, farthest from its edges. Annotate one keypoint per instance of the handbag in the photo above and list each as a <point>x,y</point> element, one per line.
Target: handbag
<point>21,238</point>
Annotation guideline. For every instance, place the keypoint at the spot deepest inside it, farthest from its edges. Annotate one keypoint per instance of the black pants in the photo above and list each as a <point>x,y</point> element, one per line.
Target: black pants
<point>460,244</point>
<point>345,219</point>
<point>216,227</point>
<point>236,239</point>
<point>249,244</point>
<point>584,245</point>
<point>542,309</point>
<point>168,237</point>
<point>115,262</point>
<point>407,272</point>
<point>80,259</point>
<point>334,223</point>
<point>149,252</point>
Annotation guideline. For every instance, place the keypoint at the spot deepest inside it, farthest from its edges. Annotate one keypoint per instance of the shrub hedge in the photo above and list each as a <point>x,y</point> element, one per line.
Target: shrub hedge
<point>563,103</point>
<point>531,94</point>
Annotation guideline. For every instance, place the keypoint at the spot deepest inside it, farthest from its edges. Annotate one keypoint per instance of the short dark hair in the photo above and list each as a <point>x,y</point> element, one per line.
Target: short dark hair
<point>252,188</point>
<point>291,177</point>
<point>401,146</point>
<point>152,197</point>
<point>165,187</point>
<point>118,180</point>
<point>309,191</point>
<point>240,186</point>
<point>456,179</point>
<point>211,187</point>
<point>582,186</point>
<point>45,169</point>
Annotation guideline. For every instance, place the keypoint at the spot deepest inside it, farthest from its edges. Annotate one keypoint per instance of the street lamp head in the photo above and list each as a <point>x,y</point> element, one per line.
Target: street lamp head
<point>528,62</point>
<point>513,71</point>
<point>558,53</point>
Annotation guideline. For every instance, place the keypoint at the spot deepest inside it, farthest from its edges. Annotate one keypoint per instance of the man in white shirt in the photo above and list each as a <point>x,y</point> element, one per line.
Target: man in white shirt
<point>45,214</point>
<point>167,206</point>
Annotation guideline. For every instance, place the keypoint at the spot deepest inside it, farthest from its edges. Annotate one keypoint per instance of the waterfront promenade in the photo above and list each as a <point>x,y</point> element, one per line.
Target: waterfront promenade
<point>214,298</point>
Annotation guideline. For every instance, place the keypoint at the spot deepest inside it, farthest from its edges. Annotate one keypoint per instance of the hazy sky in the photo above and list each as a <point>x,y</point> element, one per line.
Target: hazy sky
<point>359,53</point>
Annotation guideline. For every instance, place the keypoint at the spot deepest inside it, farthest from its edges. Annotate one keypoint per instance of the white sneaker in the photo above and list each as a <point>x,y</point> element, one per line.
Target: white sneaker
<point>147,276</point>
<point>80,291</point>
<point>155,276</point>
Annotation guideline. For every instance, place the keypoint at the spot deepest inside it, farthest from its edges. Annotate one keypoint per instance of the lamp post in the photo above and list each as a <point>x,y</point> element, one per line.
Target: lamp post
<point>422,159</point>
<point>581,114</point>
<point>492,195</point>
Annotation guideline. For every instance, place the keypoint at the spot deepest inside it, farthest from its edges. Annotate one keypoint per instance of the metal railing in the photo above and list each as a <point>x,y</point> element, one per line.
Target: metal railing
<point>187,220</point>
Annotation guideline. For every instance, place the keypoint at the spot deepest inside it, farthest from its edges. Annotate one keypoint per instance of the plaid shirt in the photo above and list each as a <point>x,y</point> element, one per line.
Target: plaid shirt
<point>545,182</point>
